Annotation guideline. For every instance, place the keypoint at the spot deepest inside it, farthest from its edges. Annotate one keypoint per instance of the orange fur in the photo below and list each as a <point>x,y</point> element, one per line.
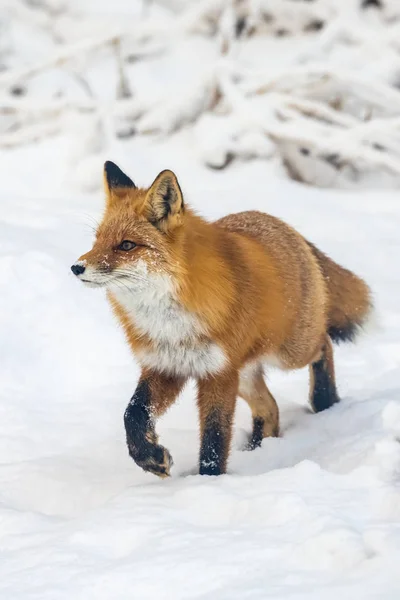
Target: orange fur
<point>244,290</point>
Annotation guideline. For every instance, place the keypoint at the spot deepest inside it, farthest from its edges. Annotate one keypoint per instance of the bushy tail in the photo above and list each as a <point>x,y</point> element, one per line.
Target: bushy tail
<point>349,301</point>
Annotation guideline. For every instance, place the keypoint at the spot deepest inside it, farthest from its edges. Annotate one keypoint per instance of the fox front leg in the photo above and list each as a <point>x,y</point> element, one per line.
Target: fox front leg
<point>154,394</point>
<point>216,401</point>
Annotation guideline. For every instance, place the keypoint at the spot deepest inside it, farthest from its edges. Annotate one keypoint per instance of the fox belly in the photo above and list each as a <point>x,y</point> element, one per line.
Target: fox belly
<point>198,359</point>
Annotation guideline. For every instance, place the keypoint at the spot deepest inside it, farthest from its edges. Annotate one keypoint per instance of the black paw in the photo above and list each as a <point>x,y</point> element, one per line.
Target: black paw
<point>151,457</point>
<point>324,399</point>
<point>261,429</point>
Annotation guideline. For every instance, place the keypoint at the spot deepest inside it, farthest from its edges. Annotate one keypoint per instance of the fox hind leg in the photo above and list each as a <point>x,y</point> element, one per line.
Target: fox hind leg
<point>323,393</point>
<point>264,409</point>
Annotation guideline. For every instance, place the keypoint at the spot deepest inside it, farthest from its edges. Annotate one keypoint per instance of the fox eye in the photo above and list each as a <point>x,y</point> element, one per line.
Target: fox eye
<point>126,245</point>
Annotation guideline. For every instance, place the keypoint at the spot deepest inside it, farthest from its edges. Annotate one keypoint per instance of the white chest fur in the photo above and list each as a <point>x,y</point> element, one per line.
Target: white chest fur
<point>179,347</point>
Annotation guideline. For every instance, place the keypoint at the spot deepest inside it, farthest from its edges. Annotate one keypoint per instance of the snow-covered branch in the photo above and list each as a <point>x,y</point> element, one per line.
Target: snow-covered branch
<point>315,84</point>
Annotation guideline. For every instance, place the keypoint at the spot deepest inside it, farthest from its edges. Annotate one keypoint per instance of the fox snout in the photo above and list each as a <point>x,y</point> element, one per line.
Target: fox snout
<point>78,268</point>
<point>89,274</point>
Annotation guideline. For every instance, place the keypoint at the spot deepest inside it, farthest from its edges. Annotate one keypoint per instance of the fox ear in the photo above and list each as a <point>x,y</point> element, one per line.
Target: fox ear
<point>115,179</point>
<point>164,206</point>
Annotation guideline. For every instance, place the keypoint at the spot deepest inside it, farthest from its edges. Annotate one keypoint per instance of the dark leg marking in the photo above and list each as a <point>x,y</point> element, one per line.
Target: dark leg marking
<point>263,407</point>
<point>213,449</point>
<point>257,433</point>
<point>137,415</point>
<point>324,393</point>
<point>216,401</point>
<point>141,438</point>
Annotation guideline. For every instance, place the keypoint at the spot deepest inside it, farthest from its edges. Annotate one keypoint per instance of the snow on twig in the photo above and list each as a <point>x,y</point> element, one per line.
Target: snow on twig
<point>333,97</point>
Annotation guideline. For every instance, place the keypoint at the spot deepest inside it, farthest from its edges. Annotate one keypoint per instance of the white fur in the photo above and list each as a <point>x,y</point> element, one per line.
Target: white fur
<point>273,360</point>
<point>151,305</point>
<point>250,370</point>
<point>176,333</point>
<point>198,361</point>
<point>247,375</point>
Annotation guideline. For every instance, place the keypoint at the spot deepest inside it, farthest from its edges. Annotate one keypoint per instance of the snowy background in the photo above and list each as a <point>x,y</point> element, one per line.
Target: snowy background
<point>287,106</point>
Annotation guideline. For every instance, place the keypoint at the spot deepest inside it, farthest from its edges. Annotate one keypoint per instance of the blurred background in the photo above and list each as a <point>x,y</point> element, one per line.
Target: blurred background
<point>309,87</point>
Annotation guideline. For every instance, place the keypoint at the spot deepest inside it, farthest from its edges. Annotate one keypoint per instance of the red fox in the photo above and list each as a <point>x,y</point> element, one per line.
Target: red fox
<point>215,302</point>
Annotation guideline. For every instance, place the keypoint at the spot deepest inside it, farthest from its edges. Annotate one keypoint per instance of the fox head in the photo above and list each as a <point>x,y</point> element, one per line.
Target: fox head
<point>138,238</point>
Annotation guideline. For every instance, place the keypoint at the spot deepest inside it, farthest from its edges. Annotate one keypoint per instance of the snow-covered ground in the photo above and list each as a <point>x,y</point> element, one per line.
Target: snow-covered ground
<point>314,514</point>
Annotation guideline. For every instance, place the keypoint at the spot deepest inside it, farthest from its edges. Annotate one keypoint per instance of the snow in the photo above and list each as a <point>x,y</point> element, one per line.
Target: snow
<point>313,515</point>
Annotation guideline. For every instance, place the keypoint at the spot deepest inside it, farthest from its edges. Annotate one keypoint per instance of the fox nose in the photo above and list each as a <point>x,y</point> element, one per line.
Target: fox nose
<point>78,269</point>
